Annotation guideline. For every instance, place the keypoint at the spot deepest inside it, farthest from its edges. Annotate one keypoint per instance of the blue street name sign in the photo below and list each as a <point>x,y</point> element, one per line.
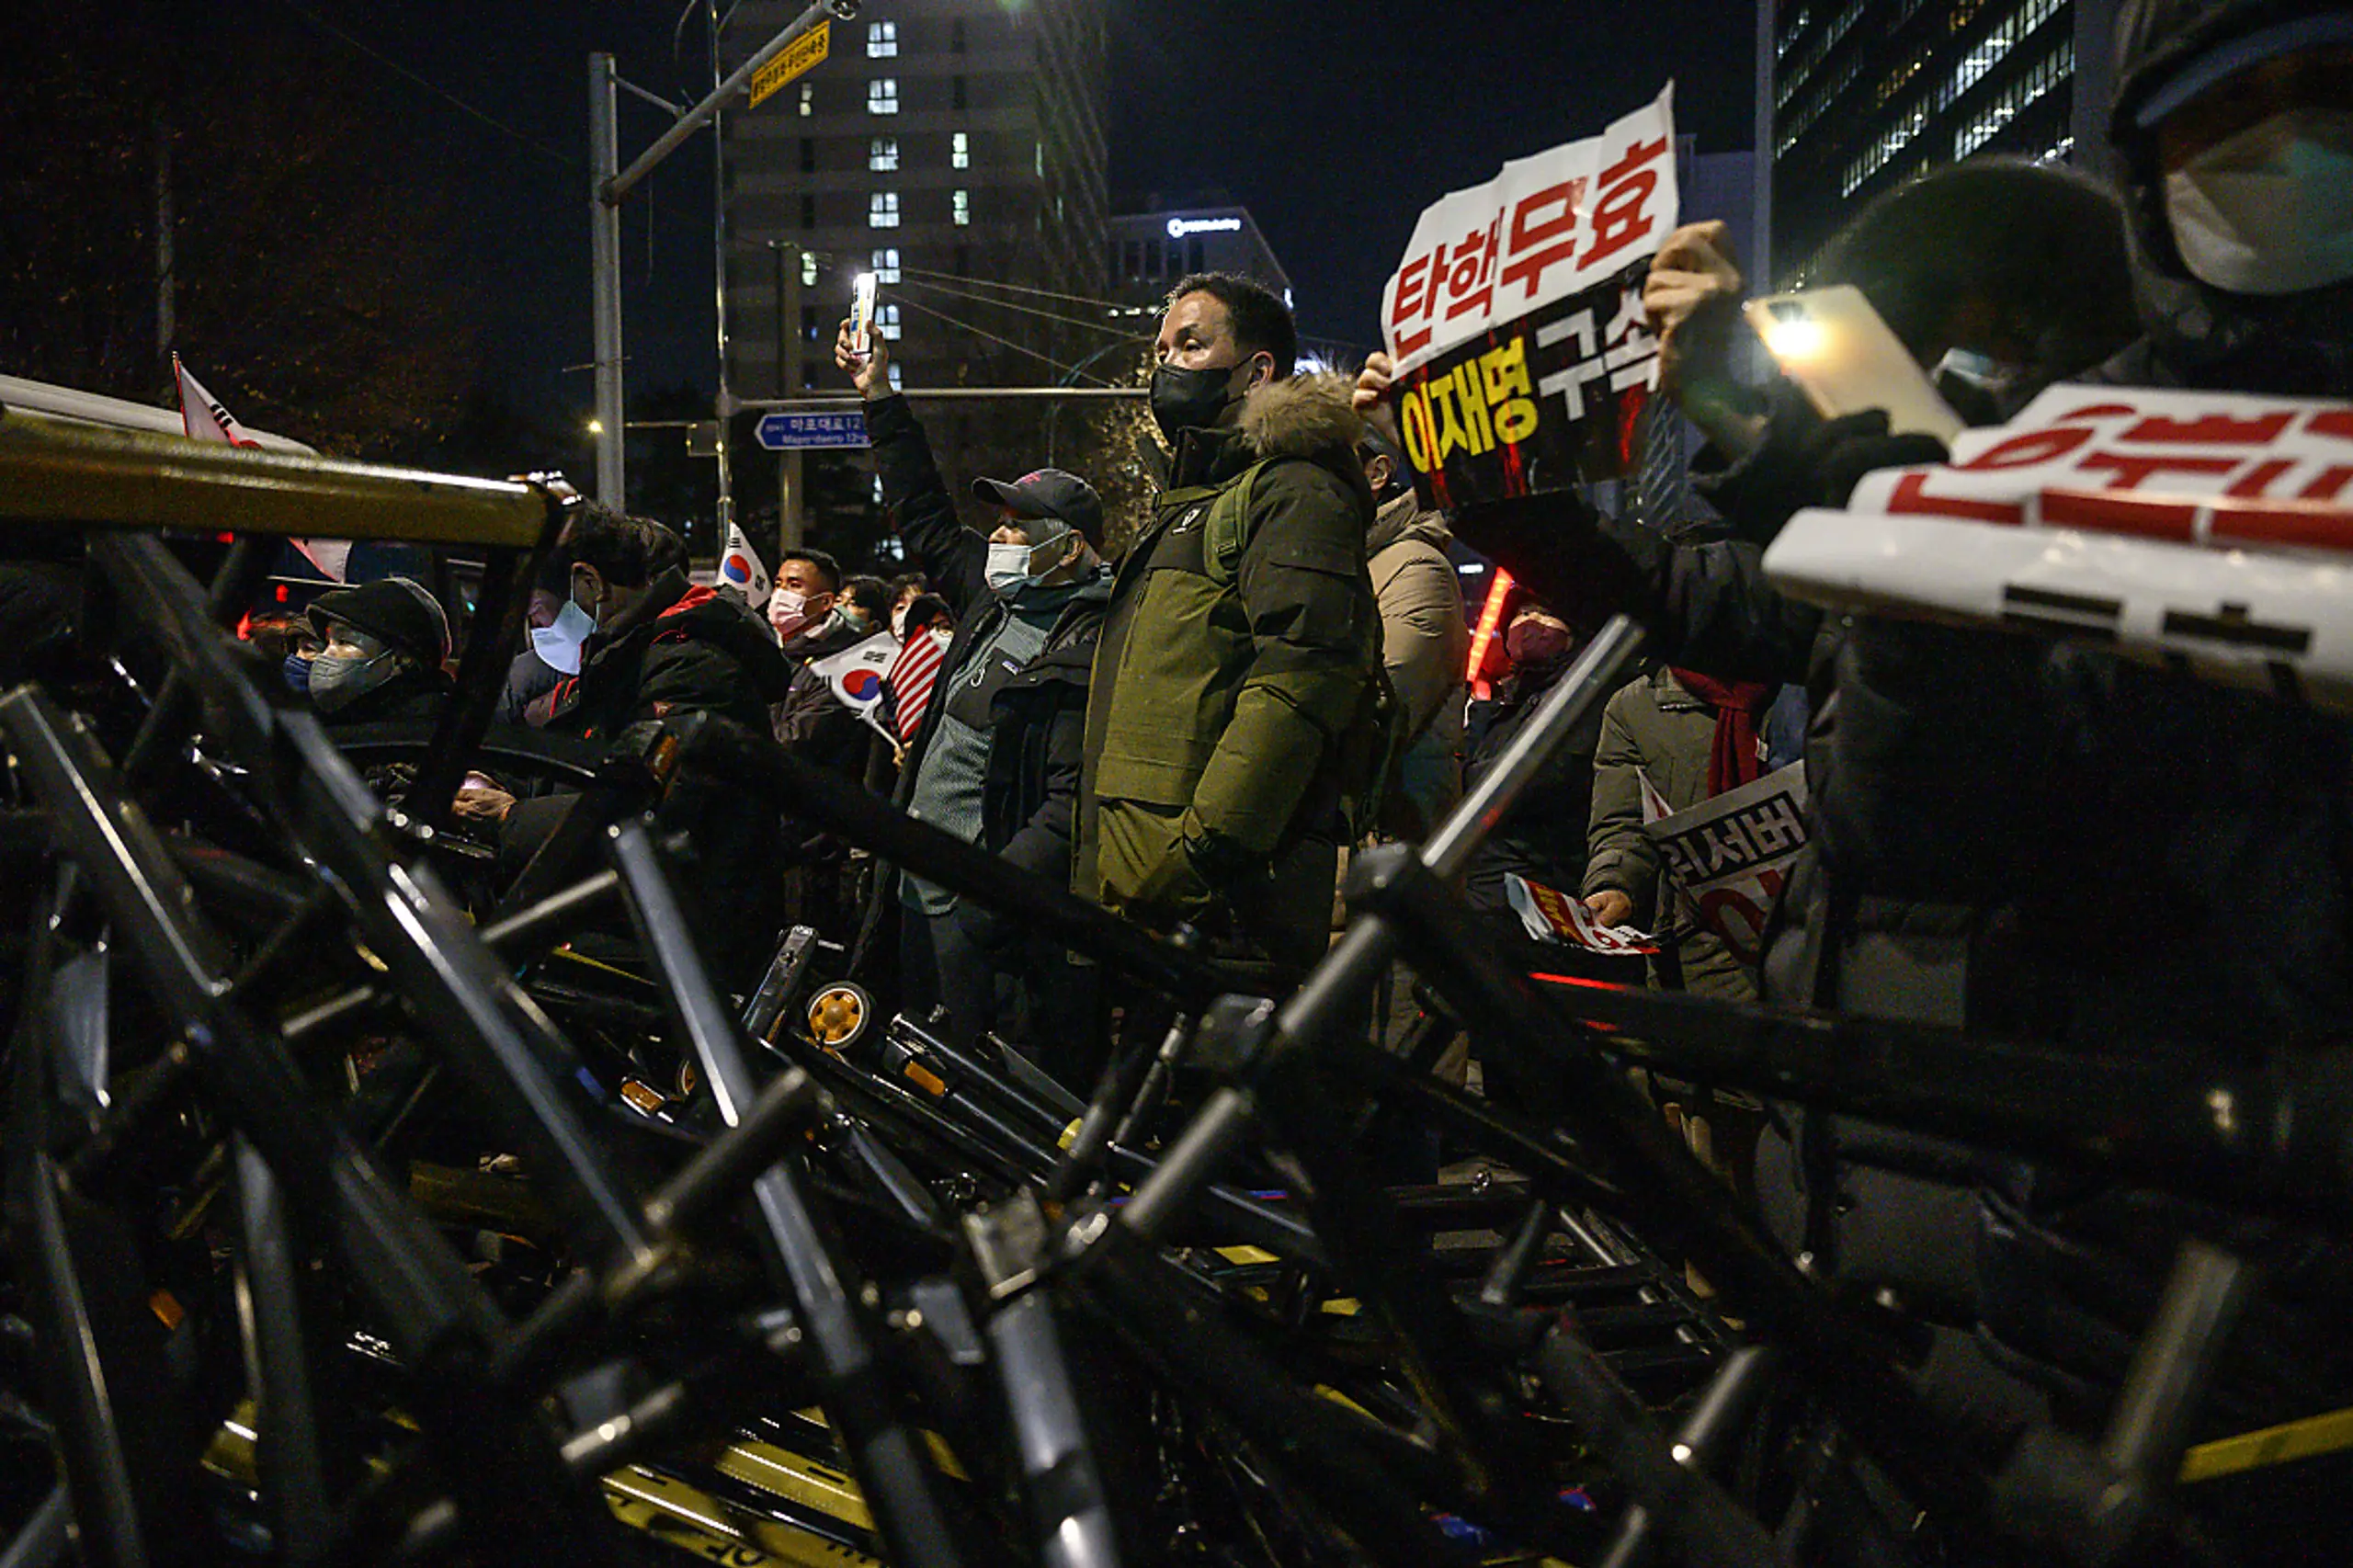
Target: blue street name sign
<point>801,432</point>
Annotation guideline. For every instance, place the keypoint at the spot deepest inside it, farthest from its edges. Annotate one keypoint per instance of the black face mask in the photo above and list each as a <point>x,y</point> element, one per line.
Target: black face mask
<point>1190,400</point>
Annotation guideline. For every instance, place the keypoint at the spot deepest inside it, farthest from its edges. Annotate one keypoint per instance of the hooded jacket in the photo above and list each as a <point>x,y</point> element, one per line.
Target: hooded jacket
<point>2291,345</point>
<point>680,649</point>
<point>1233,688</point>
<point>1423,643</point>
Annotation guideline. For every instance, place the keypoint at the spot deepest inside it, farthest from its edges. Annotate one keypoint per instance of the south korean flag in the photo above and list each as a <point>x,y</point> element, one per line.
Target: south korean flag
<point>740,571</point>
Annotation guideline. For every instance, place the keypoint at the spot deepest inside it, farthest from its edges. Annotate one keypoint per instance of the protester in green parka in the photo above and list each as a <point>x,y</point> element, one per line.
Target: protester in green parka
<point>1237,712</point>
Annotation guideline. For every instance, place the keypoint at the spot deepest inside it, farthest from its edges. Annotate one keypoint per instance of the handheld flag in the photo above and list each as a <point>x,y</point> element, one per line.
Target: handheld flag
<point>911,675</point>
<point>740,571</point>
<point>855,675</point>
<point>206,418</point>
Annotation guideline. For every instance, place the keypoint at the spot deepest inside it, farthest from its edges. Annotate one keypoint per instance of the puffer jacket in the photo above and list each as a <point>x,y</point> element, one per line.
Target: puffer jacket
<point>1423,643</point>
<point>1237,688</point>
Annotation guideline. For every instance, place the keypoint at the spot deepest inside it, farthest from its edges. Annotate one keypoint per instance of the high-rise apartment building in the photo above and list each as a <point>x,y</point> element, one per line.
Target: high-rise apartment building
<point>1854,96</point>
<point>941,141</point>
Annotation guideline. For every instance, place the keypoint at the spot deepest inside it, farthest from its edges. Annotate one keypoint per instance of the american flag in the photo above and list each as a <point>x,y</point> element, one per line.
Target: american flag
<point>912,674</point>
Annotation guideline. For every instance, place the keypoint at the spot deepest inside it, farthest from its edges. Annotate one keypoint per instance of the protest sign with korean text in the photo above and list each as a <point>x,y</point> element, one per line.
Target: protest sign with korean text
<point>2210,530</point>
<point>1728,855</point>
<point>1515,317</point>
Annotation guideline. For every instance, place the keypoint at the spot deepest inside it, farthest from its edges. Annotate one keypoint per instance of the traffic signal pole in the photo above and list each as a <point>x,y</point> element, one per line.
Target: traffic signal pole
<point>610,185</point>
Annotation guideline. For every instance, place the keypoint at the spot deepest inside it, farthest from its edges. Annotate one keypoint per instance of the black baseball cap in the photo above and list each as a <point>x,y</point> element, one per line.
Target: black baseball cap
<point>396,611</point>
<point>1048,493</point>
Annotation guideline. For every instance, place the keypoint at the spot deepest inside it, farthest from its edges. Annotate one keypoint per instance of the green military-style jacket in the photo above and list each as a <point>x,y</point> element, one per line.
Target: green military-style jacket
<point>1237,696</point>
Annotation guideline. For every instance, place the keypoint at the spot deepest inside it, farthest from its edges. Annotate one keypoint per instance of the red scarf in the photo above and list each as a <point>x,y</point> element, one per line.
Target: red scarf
<point>1736,758</point>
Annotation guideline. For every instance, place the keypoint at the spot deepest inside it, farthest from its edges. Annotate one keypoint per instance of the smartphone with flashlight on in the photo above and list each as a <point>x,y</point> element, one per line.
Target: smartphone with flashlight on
<point>1847,360</point>
<point>861,315</point>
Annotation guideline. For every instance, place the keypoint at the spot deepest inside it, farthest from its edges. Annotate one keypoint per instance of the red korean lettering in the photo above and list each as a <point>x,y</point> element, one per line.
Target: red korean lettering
<point>2213,430</point>
<point>2328,486</point>
<point>2257,482</point>
<point>1418,285</point>
<point>1543,234</point>
<point>1620,208</point>
<point>1473,284</point>
<point>2034,447</point>
<point>1910,494</point>
<point>2132,468</point>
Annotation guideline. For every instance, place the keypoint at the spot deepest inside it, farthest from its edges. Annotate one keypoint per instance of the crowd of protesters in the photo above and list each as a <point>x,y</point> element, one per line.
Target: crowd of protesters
<point>2035,838</point>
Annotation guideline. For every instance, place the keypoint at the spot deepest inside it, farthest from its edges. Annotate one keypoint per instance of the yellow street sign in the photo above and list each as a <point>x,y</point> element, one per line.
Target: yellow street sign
<point>804,51</point>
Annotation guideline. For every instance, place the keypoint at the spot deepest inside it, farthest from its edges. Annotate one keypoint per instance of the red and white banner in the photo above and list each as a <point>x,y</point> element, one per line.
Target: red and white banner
<point>1515,316</point>
<point>206,418</point>
<point>1728,855</point>
<point>1551,915</point>
<point>2212,529</point>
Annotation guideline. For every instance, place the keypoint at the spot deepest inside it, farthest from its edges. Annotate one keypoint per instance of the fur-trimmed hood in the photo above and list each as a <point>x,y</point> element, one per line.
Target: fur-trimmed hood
<point>1301,416</point>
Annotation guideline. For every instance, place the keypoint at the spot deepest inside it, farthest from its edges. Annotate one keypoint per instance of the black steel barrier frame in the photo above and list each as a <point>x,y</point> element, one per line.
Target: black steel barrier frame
<point>436,1317</point>
<point>1501,997</point>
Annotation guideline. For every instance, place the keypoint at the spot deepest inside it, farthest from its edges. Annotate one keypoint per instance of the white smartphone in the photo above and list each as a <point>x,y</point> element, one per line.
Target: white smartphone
<point>1847,360</point>
<point>861,315</point>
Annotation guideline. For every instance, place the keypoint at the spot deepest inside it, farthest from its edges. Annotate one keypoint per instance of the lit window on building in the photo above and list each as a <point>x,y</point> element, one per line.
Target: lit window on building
<point>807,99</point>
<point>1986,123</point>
<point>896,385</point>
<point>881,39</point>
<point>886,265</point>
<point>883,209</point>
<point>886,317</point>
<point>882,154</point>
<point>959,151</point>
<point>808,270</point>
<point>961,204</point>
<point>882,96</point>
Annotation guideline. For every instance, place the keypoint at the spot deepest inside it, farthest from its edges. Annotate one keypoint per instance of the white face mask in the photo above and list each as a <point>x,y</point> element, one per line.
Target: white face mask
<point>559,644</point>
<point>1009,569</point>
<point>2268,210</point>
<point>898,623</point>
<point>788,611</point>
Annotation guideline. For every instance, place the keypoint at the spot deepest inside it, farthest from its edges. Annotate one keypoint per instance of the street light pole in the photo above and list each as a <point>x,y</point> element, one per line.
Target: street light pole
<point>605,264</point>
<point>792,515</point>
<point>726,402</point>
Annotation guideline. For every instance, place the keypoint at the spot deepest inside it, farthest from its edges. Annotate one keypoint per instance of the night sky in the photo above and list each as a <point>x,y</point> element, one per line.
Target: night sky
<point>1334,121</point>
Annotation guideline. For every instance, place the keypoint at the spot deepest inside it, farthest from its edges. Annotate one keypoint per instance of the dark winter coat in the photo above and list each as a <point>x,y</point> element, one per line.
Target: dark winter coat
<point>679,651</point>
<point>1035,717</point>
<point>811,723</point>
<point>1543,838</point>
<point>1237,687</point>
<point>415,694</point>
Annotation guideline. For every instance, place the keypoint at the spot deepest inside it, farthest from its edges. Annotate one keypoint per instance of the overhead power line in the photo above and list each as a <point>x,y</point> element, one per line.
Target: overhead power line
<point>1112,327</point>
<point>438,91</point>
<point>1045,359</point>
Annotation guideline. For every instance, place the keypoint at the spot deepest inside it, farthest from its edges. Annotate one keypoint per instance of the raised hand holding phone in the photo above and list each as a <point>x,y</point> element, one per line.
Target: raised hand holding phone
<point>868,369</point>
